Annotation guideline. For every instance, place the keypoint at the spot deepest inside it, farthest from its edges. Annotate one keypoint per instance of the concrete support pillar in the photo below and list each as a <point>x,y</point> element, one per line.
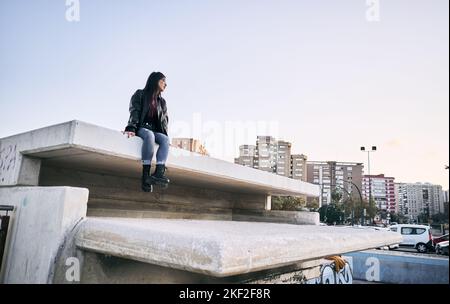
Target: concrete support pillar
<point>268,205</point>
<point>29,171</point>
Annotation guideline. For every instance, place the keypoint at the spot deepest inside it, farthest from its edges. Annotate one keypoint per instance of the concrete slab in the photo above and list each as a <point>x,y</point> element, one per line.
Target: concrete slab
<point>222,248</point>
<point>87,147</point>
<point>98,268</point>
<point>41,221</point>
<point>399,267</point>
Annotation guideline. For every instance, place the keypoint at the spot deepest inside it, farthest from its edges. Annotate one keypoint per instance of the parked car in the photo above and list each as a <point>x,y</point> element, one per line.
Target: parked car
<point>417,236</point>
<point>442,248</point>
<point>440,239</point>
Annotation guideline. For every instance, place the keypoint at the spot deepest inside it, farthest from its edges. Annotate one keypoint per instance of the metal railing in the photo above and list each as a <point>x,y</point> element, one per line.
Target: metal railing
<point>4,224</point>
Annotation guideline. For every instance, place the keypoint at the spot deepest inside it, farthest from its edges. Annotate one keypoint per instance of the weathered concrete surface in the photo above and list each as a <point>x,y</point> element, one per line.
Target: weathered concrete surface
<point>116,196</point>
<point>105,269</point>
<point>42,219</point>
<point>222,248</point>
<point>277,216</point>
<point>399,267</point>
<point>86,147</point>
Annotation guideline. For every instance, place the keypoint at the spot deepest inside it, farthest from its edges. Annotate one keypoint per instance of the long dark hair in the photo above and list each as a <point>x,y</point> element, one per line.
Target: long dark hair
<point>152,82</point>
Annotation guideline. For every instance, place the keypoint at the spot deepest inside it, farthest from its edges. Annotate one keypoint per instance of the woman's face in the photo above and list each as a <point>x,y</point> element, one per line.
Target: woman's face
<point>162,84</point>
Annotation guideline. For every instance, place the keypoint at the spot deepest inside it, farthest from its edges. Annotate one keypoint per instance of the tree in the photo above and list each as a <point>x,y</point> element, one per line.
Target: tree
<point>383,214</point>
<point>394,217</point>
<point>313,204</point>
<point>336,196</point>
<point>439,218</point>
<point>331,214</point>
<point>287,203</point>
<point>371,210</point>
<point>423,218</point>
<point>398,218</point>
<point>350,209</point>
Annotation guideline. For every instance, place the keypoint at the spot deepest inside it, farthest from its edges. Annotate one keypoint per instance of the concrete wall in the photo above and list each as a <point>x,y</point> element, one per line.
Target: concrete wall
<point>97,268</point>
<point>277,216</point>
<point>119,196</point>
<point>14,169</point>
<point>399,267</point>
<point>42,219</point>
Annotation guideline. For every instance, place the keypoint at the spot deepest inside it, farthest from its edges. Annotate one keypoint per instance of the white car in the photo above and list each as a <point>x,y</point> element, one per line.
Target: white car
<point>417,236</point>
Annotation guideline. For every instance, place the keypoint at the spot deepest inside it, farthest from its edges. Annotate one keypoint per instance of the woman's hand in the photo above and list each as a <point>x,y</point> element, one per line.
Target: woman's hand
<point>128,133</point>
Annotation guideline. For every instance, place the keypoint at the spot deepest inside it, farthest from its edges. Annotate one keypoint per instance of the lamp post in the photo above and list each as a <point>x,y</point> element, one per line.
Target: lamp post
<point>360,197</point>
<point>363,149</point>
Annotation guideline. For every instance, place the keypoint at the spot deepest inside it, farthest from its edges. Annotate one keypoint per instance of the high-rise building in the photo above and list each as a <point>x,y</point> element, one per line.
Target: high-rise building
<point>273,156</point>
<point>335,176</point>
<point>299,169</point>
<point>266,158</point>
<point>190,144</point>
<point>247,156</point>
<point>445,196</point>
<point>399,200</point>
<point>283,158</point>
<point>382,191</point>
<point>445,202</point>
<point>419,198</point>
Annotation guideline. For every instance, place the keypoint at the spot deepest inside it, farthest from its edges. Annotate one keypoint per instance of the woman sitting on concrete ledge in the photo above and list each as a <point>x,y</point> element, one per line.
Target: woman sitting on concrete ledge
<point>149,121</point>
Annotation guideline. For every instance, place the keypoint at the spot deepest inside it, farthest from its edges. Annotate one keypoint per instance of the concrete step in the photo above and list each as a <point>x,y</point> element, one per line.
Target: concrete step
<point>221,248</point>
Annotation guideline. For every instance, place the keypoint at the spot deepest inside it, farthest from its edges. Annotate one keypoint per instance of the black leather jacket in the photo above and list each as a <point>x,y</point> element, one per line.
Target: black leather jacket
<point>139,107</point>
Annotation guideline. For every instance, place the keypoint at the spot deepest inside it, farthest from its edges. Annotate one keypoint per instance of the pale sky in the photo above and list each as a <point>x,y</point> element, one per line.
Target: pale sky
<point>323,76</point>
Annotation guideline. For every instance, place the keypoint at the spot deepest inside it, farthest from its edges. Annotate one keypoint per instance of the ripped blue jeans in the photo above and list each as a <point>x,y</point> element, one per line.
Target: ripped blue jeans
<point>148,147</point>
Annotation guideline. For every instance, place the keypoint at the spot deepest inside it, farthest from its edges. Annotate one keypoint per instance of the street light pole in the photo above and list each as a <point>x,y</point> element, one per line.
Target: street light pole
<point>363,149</point>
<point>360,197</point>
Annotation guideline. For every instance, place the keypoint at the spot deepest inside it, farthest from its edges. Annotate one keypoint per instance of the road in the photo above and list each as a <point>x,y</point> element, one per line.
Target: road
<point>412,250</point>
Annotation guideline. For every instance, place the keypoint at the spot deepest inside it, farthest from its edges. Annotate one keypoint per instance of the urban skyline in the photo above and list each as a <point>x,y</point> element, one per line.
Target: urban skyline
<point>311,160</point>
<point>411,200</point>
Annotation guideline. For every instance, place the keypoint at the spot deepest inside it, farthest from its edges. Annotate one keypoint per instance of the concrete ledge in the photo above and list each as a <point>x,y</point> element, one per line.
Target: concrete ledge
<point>87,147</point>
<point>222,248</point>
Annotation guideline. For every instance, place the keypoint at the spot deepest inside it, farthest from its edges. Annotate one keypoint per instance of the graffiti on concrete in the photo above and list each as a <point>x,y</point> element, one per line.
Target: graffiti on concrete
<point>7,159</point>
<point>295,277</point>
<point>328,275</point>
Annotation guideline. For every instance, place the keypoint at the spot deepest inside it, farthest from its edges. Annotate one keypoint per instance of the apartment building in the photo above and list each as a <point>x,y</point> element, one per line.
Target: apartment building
<point>333,175</point>
<point>414,199</point>
<point>382,191</point>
